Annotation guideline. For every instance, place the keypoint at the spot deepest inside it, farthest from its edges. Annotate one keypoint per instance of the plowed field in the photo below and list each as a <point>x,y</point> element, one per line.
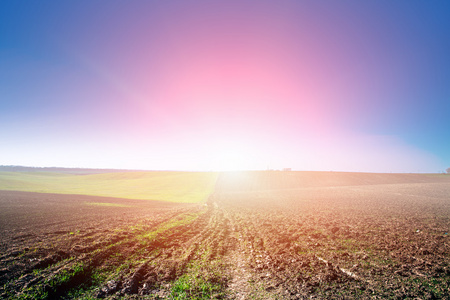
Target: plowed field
<point>260,235</point>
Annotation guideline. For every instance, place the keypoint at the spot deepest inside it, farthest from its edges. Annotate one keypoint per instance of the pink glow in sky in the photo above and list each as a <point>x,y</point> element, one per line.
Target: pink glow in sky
<point>223,85</point>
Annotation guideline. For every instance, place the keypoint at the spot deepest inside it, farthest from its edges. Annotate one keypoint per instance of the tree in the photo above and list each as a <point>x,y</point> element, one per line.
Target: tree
<point>447,170</point>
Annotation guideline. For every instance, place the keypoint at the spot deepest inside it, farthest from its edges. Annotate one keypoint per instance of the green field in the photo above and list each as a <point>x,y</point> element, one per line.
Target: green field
<point>186,187</point>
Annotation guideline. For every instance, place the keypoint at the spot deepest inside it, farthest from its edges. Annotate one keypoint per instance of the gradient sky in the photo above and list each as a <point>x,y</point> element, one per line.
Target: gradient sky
<point>222,85</point>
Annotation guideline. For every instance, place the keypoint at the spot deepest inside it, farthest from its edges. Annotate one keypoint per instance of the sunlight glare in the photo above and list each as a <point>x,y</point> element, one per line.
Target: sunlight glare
<point>232,156</point>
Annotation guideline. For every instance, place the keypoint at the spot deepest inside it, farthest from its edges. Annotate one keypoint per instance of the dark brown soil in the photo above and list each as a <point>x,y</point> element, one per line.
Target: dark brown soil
<point>261,235</point>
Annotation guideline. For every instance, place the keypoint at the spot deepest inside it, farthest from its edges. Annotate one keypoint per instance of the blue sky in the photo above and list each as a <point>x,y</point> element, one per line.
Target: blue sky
<point>219,85</point>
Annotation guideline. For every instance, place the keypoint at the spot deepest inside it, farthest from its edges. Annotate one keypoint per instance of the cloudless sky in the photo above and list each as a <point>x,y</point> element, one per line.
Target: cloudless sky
<point>222,85</point>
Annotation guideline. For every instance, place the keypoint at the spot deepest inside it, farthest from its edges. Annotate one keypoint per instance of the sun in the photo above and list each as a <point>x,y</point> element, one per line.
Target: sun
<point>232,156</point>
<point>230,161</point>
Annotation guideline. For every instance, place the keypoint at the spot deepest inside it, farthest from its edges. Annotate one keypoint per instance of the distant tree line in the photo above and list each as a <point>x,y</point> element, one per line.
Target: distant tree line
<point>447,170</point>
<point>80,171</point>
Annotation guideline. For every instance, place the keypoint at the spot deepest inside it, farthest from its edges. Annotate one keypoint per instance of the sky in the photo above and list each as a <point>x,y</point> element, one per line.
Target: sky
<point>226,85</point>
